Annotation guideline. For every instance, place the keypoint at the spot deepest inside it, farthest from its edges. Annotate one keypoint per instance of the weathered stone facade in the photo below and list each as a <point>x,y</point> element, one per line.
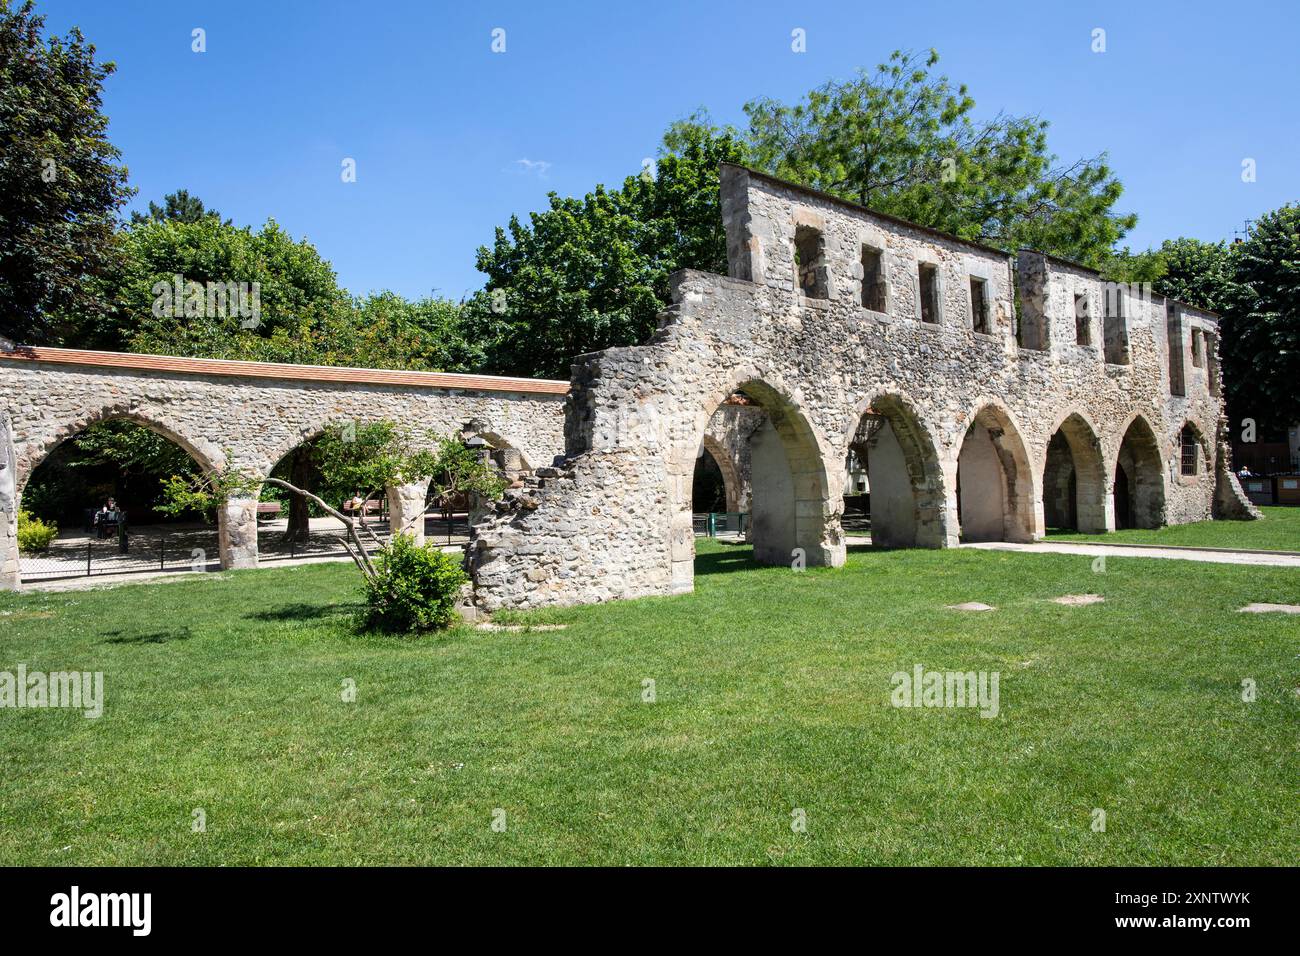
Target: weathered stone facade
<point>247,416</point>
<point>1093,408</point>
<point>871,315</point>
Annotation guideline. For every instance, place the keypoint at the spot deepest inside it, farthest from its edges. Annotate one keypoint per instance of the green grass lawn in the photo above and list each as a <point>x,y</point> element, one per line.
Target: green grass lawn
<point>1279,530</point>
<point>773,694</point>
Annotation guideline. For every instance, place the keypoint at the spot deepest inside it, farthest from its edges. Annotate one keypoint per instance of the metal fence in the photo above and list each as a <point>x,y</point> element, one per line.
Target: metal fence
<point>195,547</point>
<point>713,524</point>
<point>190,548</point>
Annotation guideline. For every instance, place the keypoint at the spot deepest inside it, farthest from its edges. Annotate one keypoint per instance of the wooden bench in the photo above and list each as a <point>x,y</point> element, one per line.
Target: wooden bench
<point>268,510</point>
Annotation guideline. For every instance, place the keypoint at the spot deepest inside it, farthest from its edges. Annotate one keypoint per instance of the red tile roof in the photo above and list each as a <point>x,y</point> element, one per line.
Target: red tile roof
<point>277,370</point>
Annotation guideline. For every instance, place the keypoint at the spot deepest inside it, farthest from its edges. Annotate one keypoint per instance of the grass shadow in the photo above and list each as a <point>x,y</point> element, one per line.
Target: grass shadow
<point>149,637</point>
<point>735,558</point>
<point>298,612</point>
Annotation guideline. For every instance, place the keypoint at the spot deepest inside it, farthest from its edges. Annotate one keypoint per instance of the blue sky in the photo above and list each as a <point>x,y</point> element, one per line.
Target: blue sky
<point>259,124</point>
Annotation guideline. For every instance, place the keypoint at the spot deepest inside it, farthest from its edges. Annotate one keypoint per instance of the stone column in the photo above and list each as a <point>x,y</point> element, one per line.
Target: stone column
<point>10,578</point>
<point>237,533</point>
<point>406,509</point>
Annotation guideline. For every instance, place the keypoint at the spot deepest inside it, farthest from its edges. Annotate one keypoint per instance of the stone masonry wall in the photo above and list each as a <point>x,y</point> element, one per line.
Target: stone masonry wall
<point>248,423</point>
<point>614,521</point>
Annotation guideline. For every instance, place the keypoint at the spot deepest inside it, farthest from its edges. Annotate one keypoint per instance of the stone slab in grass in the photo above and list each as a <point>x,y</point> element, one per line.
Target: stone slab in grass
<point>1270,609</point>
<point>970,606</point>
<point>489,626</point>
<point>1078,600</point>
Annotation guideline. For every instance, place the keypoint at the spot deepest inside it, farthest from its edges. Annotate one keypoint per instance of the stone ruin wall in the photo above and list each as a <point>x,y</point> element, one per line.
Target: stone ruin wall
<point>612,517</point>
<point>614,520</point>
<point>225,420</point>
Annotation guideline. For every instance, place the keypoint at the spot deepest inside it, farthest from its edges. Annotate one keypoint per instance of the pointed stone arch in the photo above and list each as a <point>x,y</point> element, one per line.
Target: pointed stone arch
<point>1138,477</point>
<point>908,501</point>
<point>232,520</point>
<point>727,466</point>
<point>790,486</point>
<point>30,454</point>
<point>995,481</point>
<point>1074,477</point>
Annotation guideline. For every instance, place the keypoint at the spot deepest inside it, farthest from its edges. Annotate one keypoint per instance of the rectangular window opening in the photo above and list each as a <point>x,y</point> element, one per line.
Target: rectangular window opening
<point>929,275</point>
<point>979,305</point>
<point>873,279</point>
<point>1082,320</point>
<point>1115,326</point>
<point>810,262</point>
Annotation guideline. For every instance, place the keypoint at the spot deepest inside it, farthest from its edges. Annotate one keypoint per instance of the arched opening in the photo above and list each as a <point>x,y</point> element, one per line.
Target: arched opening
<point>709,492</point>
<point>292,527</point>
<point>101,487</point>
<point>1074,482</point>
<point>995,498</point>
<point>894,488</point>
<point>791,521</point>
<point>1138,488</point>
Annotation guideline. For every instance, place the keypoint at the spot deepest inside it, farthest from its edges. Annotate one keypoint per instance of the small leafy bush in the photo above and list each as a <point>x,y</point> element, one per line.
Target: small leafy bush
<point>415,589</point>
<point>34,534</point>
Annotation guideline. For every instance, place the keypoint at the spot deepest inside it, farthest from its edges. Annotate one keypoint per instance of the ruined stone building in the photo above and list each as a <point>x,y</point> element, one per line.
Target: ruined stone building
<point>839,333</point>
<point>1094,407</point>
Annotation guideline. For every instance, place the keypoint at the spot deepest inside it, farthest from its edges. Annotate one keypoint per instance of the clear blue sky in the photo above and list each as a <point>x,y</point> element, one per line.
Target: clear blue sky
<point>438,124</point>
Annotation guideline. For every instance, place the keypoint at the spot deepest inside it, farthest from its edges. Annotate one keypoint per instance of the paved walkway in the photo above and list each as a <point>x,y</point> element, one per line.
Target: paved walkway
<point>1216,556</point>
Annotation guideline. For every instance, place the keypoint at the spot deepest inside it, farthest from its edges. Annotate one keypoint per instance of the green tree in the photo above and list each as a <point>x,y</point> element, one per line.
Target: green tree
<point>902,141</point>
<point>401,583</point>
<point>179,206</point>
<point>296,298</point>
<point>591,273</point>
<point>132,449</point>
<point>1261,321</point>
<point>60,183</point>
<point>302,315</point>
<point>1199,273</point>
<point>1125,265</point>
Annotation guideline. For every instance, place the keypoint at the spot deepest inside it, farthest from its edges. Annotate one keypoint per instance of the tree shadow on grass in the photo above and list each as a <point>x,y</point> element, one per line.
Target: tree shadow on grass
<point>735,558</point>
<point>149,637</point>
<point>299,612</point>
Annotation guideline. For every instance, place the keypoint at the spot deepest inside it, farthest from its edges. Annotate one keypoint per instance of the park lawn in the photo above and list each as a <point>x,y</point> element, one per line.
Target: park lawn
<point>772,694</point>
<point>1278,530</point>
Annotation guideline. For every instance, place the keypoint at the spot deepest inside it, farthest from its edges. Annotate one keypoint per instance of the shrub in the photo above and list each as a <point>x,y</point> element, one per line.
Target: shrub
<point>34,534</point>
<point>415,589</point>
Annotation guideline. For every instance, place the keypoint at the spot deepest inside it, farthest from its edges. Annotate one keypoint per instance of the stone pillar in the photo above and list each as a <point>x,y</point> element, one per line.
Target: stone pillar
<point>237,533</point>
<point>10,577</point>
<point>406,505</point>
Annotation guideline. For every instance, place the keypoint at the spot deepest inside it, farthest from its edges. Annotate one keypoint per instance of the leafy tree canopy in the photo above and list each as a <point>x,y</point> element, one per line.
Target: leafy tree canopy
<point>60,183</point>
<point>292,309</point>
<point>591,273</point>
<point>131,448</point>
<point>1261,318</point>
<point>903,141</point>
<point>179,206</point>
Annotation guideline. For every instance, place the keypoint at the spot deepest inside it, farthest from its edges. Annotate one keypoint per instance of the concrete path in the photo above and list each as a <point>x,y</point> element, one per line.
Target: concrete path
<point>97,581</point>
<point>1217,556</point>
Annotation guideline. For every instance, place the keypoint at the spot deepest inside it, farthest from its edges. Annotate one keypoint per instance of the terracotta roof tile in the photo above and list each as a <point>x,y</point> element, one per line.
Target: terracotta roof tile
<point>302,373</point>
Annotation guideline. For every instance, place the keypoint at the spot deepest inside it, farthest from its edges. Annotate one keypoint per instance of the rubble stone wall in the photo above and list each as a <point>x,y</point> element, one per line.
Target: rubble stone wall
<point>247,423</point>
<point>614,521</point>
